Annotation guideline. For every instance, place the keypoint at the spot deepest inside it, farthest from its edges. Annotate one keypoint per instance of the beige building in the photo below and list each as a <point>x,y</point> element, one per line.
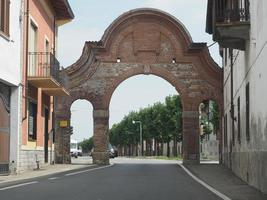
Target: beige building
<point>240,28</point>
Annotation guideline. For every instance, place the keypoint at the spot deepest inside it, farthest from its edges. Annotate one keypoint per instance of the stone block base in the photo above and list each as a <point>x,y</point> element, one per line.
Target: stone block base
<point>28,158</point>
<point>191,159</point>
<point>100,158</point>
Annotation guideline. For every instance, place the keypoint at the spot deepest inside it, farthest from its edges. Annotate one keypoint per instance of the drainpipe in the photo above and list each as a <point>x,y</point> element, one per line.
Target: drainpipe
<point>54,99</point>
<point>26,60</point>
<point>232,110</point>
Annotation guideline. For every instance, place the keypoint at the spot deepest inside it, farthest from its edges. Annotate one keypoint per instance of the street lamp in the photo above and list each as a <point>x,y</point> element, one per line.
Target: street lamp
<point>141,141</point>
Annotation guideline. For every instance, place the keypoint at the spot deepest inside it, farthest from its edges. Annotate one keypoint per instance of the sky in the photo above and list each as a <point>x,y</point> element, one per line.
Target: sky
<point>92,17</point>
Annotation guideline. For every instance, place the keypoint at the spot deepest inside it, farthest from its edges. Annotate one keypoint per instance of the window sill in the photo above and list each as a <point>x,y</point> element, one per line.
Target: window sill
<point>5,36</point>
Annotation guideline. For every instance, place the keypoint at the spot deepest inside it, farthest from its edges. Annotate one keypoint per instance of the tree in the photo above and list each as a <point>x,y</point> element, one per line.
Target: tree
<point>87,145</point>
<point>161,122</point>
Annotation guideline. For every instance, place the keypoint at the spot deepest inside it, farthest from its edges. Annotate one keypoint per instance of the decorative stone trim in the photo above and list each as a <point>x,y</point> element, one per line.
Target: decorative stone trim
<point>190,114</point>
<point>5,129</point>
<point>101,113</point>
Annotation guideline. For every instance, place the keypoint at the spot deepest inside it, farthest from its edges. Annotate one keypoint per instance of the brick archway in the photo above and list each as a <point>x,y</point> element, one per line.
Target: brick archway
<point>145,41</point>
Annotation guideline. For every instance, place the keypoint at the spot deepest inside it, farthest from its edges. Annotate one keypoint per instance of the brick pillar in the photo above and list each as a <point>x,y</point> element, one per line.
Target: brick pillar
<point>62,141</point>
<point>100,154</point>
<point>191,137</point>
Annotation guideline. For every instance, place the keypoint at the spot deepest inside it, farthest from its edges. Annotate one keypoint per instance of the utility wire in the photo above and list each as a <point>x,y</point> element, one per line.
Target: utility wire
<point>211,44</point>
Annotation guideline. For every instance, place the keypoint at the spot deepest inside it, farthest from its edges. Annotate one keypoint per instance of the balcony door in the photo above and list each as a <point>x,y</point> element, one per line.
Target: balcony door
<point>47,59</point>
<point>32,48</point>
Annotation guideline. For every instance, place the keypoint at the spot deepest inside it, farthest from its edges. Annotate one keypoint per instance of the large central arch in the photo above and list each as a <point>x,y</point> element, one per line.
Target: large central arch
<point>141,41</point>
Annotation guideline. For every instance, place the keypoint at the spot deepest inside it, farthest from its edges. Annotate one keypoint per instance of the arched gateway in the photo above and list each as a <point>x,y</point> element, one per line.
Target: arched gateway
<point>141,41</point>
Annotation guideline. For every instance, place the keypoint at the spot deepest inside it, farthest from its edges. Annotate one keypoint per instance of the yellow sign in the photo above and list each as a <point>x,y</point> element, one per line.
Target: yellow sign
<point>63,123</point>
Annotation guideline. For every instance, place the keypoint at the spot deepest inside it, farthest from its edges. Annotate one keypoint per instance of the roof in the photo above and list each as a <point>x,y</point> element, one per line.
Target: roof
<point>62,9</point>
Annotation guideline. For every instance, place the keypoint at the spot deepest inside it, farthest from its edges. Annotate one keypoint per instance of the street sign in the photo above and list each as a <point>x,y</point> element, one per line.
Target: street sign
<point>63,123</point>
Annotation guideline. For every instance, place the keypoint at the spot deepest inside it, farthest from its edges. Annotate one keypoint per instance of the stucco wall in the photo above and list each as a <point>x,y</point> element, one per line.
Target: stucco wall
<point>10,73</point>
<point>10,48</point>
<point>249,158</point>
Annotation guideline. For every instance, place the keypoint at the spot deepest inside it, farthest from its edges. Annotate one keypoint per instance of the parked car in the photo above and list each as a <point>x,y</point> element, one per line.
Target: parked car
<point>74,148</point>
<point>115,151</point>
<point>111,151</point>
<point>90,153</point>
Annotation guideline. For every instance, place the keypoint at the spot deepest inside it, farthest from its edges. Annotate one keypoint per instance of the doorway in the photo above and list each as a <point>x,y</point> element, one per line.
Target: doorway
<point>46,135</point>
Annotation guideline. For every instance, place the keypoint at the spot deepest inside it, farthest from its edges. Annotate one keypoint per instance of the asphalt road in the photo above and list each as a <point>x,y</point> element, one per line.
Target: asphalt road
<point>117,182</point>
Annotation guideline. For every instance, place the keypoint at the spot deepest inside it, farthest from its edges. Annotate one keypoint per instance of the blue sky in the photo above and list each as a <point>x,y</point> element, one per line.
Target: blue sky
<point>92,17</point>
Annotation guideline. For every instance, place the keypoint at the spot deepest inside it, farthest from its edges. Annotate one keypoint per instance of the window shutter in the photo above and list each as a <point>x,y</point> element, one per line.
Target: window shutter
<point>7,17</point>
<point>2,14</point>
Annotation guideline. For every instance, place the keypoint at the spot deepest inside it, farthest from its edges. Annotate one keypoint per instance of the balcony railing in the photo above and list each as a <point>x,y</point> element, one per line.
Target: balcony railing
<point>232,11</point>
<point>43,65</point>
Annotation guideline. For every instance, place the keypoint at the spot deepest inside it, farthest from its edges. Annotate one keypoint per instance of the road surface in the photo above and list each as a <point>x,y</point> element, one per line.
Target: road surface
<point>121,181</point>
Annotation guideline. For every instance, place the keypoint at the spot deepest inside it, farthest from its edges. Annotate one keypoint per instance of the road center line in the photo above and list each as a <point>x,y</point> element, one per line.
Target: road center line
<point>19,185</point>
<point>88,170</point>
<point>213,190</point>
<point>53,178</point>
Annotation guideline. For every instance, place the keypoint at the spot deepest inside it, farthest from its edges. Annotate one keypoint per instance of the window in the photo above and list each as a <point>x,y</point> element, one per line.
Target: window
<point>238,121</point>
<point>32,44</point>
<point>247,113</point>
<point>32,121</point>
<point>4,16</point>
<point>225,130</point>
<point>33,29</point>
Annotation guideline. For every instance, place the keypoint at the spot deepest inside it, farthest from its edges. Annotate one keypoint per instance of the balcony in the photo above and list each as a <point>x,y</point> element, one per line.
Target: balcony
<point>43,72</point>
<point>230,22</point>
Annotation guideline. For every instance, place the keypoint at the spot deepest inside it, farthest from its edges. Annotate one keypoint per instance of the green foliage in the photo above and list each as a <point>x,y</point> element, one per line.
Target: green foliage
<point>87,145</point>
<point>209,118</point>
<point>162,121</point>
<point>215,116</point>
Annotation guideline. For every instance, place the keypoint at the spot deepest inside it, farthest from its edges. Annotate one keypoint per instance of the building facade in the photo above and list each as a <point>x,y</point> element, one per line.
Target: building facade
<point>10,76</point>
<point>240,28</point>
<point>40,79</point>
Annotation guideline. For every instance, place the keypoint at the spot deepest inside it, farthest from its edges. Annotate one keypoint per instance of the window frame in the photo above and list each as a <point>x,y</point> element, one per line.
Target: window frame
<point>248,111</point>
<point>5,18</point>
<point>238,121</point>
<point>32,137</point>
<point>225,131</point>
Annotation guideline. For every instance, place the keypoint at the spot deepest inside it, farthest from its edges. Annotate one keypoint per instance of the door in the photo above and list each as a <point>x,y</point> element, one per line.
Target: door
<point>4,137</point>
<point>46,138</point>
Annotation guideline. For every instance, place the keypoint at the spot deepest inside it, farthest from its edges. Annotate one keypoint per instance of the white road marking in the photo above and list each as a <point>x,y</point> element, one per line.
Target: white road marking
<point>88,170</point>
<point>53,178</point>
<point>219,194</point>
<point>19,185</point>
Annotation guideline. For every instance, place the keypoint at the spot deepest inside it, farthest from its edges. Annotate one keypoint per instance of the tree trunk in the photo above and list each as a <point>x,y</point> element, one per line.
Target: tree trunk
<point>175,146</point>
<point>161,148</point>
<point>168,148</point>
<point>155,153</point>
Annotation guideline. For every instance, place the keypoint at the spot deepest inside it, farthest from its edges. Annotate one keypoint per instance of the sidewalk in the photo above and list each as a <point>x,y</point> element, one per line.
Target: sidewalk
<point>44,171</point>
<point>223,180</point>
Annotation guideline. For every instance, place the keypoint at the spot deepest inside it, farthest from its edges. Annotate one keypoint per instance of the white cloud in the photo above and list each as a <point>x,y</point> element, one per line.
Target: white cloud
<point>71,42</point>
